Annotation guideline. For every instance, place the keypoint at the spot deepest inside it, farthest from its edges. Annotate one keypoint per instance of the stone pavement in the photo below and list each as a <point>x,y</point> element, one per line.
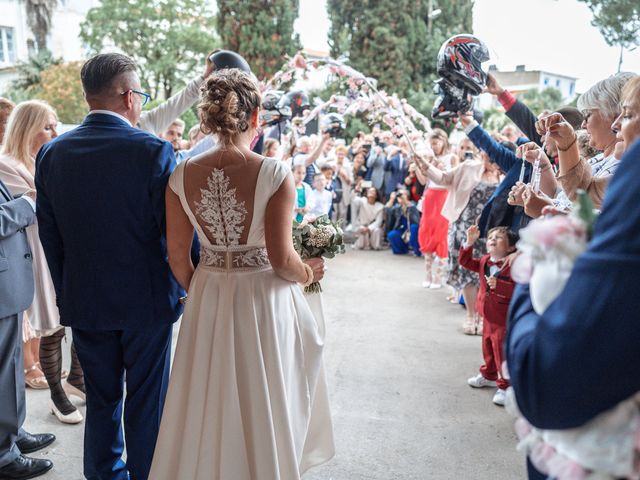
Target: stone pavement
<point>397,365</point>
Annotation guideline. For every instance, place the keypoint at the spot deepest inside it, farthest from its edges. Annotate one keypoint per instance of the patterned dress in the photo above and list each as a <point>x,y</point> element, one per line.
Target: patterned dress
<point>460,277</point>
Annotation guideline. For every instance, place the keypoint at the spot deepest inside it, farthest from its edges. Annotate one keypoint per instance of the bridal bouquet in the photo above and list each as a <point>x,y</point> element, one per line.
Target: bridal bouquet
<point>549,247</point>
<point>608,446</point>
<point>319,238</point>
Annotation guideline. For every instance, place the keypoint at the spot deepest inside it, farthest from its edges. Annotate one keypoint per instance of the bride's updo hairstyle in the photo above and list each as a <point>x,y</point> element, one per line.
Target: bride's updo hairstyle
<point>227,99</point>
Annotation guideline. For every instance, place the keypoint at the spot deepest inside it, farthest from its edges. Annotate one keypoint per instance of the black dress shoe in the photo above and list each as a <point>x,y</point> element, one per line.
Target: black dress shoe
<point>23,468</point>
<point>29,443</point>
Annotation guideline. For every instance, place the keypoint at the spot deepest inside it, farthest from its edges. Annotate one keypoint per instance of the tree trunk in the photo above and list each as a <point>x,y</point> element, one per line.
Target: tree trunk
<point>620,59</point>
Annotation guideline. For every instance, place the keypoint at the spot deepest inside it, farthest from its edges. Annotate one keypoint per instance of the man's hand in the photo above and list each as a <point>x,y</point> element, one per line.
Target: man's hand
<point>466,118</point>
<point>515,195</point>
<point>473,234</point>
<point>491,282</point>
<point>393,196</point>
<point>493,87</point>
<point>209,66</point>
<point>530,152</point>
<point>534,202</point>
<point>363,230</point>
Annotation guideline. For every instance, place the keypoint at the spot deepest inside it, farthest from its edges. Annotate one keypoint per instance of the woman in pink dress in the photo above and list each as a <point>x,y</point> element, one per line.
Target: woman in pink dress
<point>31,125</point>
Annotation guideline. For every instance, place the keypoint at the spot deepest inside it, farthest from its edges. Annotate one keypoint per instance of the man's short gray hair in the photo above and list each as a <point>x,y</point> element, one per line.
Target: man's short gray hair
<point>606,95</point>
<point>99,72</point>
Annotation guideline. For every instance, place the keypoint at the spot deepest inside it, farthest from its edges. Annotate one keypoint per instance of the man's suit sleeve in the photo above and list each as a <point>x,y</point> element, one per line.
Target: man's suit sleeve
<point>580,357</point>
<point>501,155</point>
<point>47,225</point>
<point>164,163</point>
<point>15,215</point>
<point>525,120</point>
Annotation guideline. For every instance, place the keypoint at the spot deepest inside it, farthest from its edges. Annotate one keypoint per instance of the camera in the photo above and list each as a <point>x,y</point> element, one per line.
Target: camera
<point>333,124</point>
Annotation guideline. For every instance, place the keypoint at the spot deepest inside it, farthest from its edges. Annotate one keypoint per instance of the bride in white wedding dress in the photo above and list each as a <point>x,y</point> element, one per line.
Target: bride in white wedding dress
<point>243,397</point>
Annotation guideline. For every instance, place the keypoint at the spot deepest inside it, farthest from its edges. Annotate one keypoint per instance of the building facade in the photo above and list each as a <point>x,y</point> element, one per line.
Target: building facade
<point>520,80</point>
<point>17,41</point>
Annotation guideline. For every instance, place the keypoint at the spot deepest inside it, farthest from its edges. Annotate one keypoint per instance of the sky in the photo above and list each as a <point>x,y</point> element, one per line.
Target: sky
<point>551,35</point>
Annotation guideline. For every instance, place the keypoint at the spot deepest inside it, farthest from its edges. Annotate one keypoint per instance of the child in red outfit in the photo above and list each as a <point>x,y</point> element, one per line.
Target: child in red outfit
<point>496,289</point>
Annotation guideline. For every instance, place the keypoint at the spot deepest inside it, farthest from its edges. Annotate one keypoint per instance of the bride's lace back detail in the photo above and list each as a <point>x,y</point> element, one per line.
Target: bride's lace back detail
<point>227,208</point>
<point>221,211</point>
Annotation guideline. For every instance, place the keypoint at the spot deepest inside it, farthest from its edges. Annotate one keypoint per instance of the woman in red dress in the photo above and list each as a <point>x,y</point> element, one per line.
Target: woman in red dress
<point>434,228</point>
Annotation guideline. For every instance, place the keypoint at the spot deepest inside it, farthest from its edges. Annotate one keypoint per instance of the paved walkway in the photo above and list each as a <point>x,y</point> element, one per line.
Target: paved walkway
<point>397,365</point>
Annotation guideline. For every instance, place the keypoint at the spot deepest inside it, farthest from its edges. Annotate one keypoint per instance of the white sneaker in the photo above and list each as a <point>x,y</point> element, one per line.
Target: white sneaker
<point>426,284</point>
<point>480,382</point>
<point>435,286</point>
<point>499,397</point>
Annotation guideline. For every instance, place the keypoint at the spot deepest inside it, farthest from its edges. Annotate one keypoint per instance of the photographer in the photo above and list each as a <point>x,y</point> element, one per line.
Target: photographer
<point>403,219</point>
<point>396,169</point>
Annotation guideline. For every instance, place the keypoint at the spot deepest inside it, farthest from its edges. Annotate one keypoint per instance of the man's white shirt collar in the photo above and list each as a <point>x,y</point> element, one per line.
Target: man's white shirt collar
<point>109,112</point>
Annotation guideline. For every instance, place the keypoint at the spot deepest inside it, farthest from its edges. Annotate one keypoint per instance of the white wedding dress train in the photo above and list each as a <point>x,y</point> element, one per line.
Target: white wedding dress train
<point>247,396</point>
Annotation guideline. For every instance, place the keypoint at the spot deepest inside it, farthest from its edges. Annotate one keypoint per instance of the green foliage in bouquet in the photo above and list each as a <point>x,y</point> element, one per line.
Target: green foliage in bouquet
<point>320,238</point>
<point>585,212</point>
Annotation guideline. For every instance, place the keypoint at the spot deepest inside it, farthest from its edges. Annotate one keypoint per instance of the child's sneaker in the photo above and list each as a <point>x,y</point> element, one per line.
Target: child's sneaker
<point>480,382</point>
<point>499,397</point>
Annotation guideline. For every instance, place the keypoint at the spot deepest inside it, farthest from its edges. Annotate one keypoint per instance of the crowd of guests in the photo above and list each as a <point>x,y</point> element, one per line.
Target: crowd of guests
<point>460,206</point>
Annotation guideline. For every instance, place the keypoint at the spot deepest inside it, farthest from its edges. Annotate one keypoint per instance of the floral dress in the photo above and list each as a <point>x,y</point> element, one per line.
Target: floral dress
<point>460,277</point>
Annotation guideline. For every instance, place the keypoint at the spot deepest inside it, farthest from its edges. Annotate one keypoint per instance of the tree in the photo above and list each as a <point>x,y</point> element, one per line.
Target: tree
<point>39,14</point>
<point>539,100</point>
<point>396,41</point>
<point>261,31</point>
<point>61,88</point>
<point>27,83</point>
<point>168,38</point>
<point>618,22</point>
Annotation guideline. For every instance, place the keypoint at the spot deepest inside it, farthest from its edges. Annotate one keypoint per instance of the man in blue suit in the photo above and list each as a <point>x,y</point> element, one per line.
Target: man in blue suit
<point>100,209</point>
<point>580,358</point>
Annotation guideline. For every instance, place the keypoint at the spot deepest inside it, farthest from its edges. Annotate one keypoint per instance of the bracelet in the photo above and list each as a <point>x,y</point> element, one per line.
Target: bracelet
<point>575,139</point>
<point>309,279</point>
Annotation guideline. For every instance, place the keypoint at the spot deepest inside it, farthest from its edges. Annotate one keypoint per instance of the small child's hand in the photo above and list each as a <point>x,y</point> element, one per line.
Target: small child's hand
<point>492,282</point>
<point>473,234</point>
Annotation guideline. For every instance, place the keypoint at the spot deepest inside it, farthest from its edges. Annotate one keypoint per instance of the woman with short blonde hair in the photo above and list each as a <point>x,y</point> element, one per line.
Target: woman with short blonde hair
<point>32,124</point>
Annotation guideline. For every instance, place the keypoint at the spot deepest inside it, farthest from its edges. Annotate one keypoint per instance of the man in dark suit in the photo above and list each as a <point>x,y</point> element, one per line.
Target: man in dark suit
<point>396,170</point>
<point>16,294</point>
<point>101,218</point>
<point>580,357</point>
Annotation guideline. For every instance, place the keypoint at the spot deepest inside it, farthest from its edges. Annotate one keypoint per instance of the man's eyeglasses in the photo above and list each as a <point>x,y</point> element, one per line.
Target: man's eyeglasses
<point>145,96</point>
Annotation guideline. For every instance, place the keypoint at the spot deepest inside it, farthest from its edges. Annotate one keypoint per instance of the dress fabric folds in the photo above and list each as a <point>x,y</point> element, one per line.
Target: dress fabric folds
<point>247,398</point>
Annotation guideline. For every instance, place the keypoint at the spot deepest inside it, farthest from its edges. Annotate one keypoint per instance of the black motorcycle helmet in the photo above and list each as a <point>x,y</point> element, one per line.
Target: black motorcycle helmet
<point>297,101</point>
<point>460,61</point>
<point>228,59</point>
<point>333,124</point>
<point>271,112</point>
<point>450,100</point>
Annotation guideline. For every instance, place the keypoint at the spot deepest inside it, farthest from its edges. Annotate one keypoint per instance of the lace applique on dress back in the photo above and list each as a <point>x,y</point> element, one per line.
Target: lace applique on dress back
<point>219,209</point>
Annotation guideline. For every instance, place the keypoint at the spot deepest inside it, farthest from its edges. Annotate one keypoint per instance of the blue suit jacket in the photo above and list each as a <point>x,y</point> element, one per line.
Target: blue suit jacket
<point>100,209</point>
<point>510,164</point>
<point>395,174</point>
<point>581,357</point>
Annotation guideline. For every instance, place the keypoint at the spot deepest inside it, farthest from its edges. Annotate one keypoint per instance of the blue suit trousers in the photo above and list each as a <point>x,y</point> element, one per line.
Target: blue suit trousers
<point>107,358</point>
